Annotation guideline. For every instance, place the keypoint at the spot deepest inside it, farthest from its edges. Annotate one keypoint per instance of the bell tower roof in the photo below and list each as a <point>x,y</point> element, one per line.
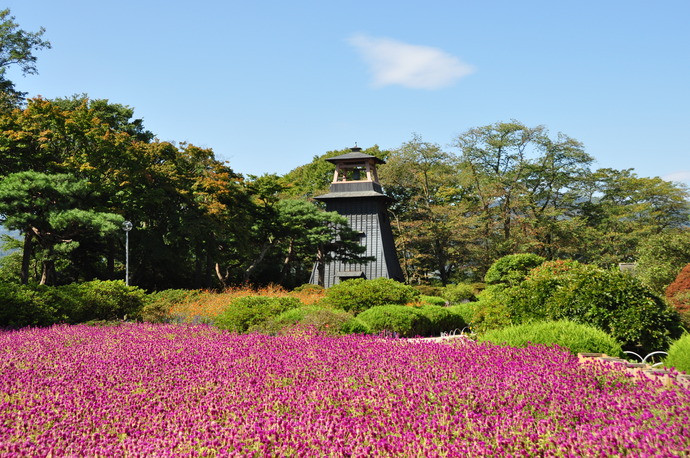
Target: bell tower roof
<point>355,156</point>
<point>355,175</point>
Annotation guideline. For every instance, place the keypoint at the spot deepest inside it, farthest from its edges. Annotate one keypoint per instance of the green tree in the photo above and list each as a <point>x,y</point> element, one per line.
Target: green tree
<point>51,210</point>
<point>526,184</point>
<point>17,48</point>
<point>661,256</point>
<point>622,210</point>
<point>288,235</point>
<point>118,117</point>
<point>432,210</point>
<point>309,232</point>
<point>189,209</point>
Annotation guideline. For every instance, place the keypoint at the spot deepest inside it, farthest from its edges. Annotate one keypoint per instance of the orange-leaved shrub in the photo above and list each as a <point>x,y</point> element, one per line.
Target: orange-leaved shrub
<point>678,294</point>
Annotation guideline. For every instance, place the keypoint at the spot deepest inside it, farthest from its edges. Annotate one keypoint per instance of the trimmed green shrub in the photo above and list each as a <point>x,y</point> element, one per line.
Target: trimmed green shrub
<point>159,304</point>
<point>358,294</point>
<point>327,321</point>
<point>612,301</point>
<point>578,338</point>
<point>356,326</point>
<point>512,269</point>
<point>466,311</point>
<point>245,312</point>
<point>23,306</point>
<point>457,294</point>
<point>432,300</point>
<point>490,312</point>
<point>442,319</point>
<point>402,320</point>
<point>679,354</point>
<point>312,317</point>
<point>308,287</point>
<point>429,290</point>
<point>103,300</point>
<point>74,303</point>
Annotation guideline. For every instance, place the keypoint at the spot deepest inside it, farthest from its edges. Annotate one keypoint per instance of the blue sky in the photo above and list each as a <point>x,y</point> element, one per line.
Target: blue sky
<point>268,85</point>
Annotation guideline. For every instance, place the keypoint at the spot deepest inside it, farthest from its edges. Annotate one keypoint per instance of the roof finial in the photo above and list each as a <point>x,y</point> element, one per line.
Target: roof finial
<point>355,149</point>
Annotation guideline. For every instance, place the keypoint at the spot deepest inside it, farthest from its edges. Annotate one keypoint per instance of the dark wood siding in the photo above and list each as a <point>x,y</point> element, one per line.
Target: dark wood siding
<point>367,216</point>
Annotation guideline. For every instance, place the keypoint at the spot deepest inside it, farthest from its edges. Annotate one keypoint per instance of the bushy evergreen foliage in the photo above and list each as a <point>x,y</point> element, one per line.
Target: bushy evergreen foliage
<point>308,287</point>
<point>245,312</point>
<point>22,306</point>
<point>160,303</point>
<point>679,354</point>
<point>661,256</point>
<point>442,319</point>
<point>462,292</point>
<point>359,294</point>
<point>399,319</point>
<point>512,269</point>
<point>429,290</point>
<point>466,310</point>
<point>96,300</point>
<point>491,310</point>
<point>609,300</point>
<point>578,338</point>
<point>432,300</point>
<point>312,317</point>
<point>105,300</point>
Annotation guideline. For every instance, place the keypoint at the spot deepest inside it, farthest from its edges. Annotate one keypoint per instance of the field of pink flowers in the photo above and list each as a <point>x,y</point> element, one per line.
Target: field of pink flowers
<point>164,390</point>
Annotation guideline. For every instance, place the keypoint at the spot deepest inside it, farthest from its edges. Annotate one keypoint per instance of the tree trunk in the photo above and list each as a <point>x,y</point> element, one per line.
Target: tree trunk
<point>321,267</point>
<point>26,257</point>
<point>257,261</point>
<point>222,277</point>
<point>287,261</point>
<point>48,272</point>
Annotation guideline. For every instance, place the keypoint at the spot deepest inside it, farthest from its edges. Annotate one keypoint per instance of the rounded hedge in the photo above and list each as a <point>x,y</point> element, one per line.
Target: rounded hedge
<point>512,269</point>
<point>466,311</point>
<point>578,338</point>
<point>245,312</point>
<point>39,305</point>
<point>399,319</point>
<point>358,294</point>
<point>432,300</point>
<point>457,294</point>
<point>679,354</point>
<point>312,317</point>
<point>23,306</point>
<point>442,319</point>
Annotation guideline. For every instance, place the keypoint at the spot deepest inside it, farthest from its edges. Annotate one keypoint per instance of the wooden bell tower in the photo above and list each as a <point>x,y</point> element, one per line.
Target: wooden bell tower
<point>356,193</point>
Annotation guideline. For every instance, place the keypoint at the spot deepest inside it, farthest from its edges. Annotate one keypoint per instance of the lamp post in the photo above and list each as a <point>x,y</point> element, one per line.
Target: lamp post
<point>127,226</point>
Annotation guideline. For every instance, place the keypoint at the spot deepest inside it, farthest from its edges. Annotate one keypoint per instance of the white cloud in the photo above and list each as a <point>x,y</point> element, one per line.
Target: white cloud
<point>682,176</point>
<point>420,67</point>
